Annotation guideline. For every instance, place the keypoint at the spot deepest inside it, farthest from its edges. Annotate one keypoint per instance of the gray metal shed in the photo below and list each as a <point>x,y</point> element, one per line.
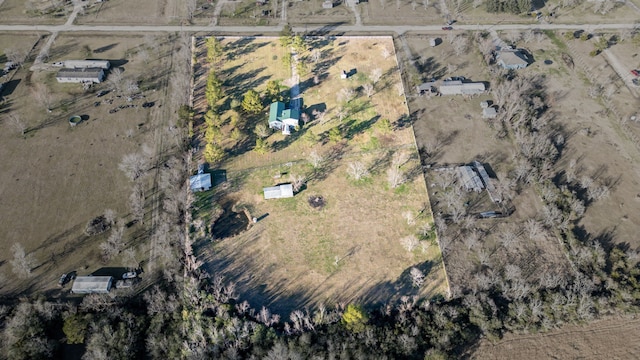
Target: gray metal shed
<point>278,192</point>
<point>92,285</point>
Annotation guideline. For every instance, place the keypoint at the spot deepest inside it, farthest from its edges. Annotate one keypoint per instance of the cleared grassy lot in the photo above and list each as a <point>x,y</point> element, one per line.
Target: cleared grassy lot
<point>56,177</point>
<point>350,249</point>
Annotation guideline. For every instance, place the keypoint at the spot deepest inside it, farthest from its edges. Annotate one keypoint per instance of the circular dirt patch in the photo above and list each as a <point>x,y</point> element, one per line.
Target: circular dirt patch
<point>316,201</point>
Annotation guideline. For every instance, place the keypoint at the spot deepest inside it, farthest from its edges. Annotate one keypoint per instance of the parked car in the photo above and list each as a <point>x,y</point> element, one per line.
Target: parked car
<point>447,28</point>
<point>635,72</point>
<point>65,278</point>
<point>129,275</point>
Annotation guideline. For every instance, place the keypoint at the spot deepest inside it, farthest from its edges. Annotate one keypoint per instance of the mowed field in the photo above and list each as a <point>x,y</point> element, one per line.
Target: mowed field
<point>297,256</point>
<point>56,178</point>
<point>614,338</point>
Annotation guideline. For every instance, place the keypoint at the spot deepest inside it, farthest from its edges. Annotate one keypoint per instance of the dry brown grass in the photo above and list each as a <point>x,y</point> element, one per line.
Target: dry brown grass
<point>58,178</point>
<point>350,250</point>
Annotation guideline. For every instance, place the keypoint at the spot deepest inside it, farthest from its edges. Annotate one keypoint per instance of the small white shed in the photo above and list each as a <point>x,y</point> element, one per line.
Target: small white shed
<point>278,192</point>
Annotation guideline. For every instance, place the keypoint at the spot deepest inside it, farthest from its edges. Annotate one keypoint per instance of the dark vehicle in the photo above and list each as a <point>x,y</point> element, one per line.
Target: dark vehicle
<point>490,215</point>
<point>635,72</point>
<point>102,93</point>
<point>65,278</point>
<point>447,28</point>
<point>148,104</point>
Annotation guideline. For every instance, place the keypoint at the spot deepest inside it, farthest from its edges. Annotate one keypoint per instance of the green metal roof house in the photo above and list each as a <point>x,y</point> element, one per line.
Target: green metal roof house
<point>283,119</point>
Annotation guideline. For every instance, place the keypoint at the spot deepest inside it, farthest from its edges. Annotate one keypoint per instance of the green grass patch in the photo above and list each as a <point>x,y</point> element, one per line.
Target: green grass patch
<point>555,40</point>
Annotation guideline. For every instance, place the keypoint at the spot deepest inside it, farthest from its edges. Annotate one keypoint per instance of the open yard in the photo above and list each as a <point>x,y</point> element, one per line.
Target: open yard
<point>351,248</point>
<point>34,12</point>
<point>55,177</point>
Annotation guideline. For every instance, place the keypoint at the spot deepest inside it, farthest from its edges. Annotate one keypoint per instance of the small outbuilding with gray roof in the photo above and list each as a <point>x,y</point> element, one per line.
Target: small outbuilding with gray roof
<point>278,192</point>
<point>92,285</point>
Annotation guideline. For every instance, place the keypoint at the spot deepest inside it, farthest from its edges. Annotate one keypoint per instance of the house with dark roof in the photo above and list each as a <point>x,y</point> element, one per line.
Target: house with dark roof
<point>283,119</point>
<point>511,59</point>
<point>80,75</point>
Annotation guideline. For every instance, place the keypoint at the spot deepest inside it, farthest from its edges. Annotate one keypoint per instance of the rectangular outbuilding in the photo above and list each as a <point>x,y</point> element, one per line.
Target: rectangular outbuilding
<point>457,87</point>
<point>80,75</point>
<point>85,64</point>
<point>92,285</point>
<point>278,192</point>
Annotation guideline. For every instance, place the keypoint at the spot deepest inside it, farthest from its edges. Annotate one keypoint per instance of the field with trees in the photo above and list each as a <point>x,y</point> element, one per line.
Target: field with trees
<point>353,151</point>
<point>99,169</point>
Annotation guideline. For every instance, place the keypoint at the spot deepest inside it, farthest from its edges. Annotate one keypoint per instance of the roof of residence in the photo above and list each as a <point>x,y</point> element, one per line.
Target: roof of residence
<point>200,181</point>
<point>80,73</point>
<point>278,192</point>
<point>73,64</point>
<point>277,112</point>
<point>458,87</point>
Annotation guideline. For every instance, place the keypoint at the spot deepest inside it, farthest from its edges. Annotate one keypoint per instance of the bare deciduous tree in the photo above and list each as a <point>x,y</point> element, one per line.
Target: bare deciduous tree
<point>368,89</point>
<point>133,165</point>
<point>410,217</point>
<point>376,75</point>
<point>16,56</point>
<point>460,44</point>
<point>345,95</point>
<point>22,263</point>
<point>395,177</point>
<point>409,242</point>
<point>315,158</point>
<point>42,95</point>
<point>115,79</point>
<point>297,181</point>
<point>136,202</point>
<point>17,123</point>
<point>357,170</point>
<point>113,245</point>
<point>417,277</point>
<point>316,55</point>
<point>110,217</point>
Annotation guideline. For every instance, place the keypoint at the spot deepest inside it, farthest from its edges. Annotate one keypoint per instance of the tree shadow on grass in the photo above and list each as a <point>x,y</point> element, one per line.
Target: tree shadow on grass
<point>353,127</point>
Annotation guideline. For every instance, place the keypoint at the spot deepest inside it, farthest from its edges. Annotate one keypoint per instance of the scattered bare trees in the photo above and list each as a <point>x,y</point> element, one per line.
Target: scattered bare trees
<point>16,56</point>
<point>136,202</point>
<point>460,44</point>
<point>22,263</point>
<point>345,95</point>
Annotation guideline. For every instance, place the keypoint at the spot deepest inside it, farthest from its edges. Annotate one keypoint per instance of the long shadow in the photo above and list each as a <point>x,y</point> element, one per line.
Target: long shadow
<point>9,87</point>
<point>392,291</point>
<point>105,48</point>
<point>354,127</point>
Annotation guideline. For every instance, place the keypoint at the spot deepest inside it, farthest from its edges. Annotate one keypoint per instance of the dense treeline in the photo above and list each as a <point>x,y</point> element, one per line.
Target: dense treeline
<point>510,6</point>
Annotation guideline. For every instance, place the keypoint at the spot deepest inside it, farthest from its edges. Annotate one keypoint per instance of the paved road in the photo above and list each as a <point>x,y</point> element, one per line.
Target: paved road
<point>255,30</point>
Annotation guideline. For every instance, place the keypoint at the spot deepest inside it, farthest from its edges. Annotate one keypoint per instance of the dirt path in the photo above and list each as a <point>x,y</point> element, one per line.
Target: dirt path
<point>217,11</point>
<point>604,339</point>
<point>356,11</point>
<point>623,72</point>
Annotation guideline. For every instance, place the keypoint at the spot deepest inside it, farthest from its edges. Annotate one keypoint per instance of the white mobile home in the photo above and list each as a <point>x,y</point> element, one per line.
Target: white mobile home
<point>92,285</point>
<point>83,75</point>
<point>278,192</point>
<point>85,64</point>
